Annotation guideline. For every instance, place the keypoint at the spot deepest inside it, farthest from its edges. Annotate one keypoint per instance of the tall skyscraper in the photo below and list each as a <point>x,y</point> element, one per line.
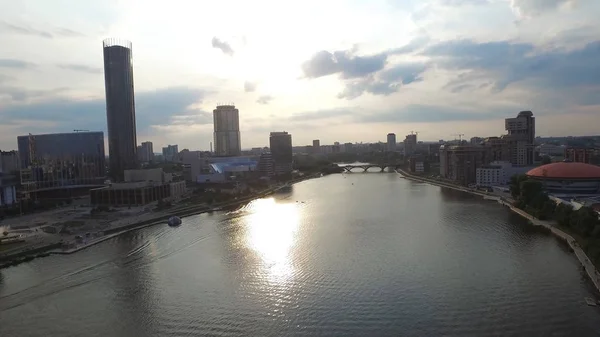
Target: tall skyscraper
<point>410,144</point>
<point>316,147</point>
<point>120,107</point>
<point>226,120</point>
<point>520,140</point>
<point>281,152</point>
<point>391,142</point>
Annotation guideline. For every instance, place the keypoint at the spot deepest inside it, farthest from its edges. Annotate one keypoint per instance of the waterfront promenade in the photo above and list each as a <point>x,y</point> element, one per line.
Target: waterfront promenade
<point>586,263</point>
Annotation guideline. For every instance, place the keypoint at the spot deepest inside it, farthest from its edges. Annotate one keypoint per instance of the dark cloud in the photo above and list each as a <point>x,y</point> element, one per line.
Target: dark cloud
<point>367,73</point>
<point>13,63</point>
<point>344,63</point>
<point>222,45</point>
<point>160,107</point>
<point>249,86</point>
<point>66,32</point>
<point>265,99</point>
<point>81,68</point>
<point>385,82</point>
<point>26,30</point>
<point>505,63</point>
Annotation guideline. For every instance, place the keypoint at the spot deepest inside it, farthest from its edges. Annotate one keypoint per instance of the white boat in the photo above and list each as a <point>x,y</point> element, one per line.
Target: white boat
<point>174,221</point>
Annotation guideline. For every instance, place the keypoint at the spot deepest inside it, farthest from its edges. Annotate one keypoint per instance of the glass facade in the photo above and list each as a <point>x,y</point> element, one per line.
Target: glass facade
<point>120,107</point>
<point>62,159</point>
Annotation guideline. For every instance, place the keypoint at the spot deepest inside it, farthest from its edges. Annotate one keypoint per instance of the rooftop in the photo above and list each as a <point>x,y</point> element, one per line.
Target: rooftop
<point>567,170</point>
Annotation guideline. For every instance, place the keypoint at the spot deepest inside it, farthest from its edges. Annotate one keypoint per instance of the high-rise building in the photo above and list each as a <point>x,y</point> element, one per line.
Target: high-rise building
<point>265,164</point>
<point>410,144</point>
<point>146,152</point>
<point>9,162</point>
<point>316,147</point>
<point>281,152</point>
<point>120,107</point>
<point>391,142</point>
<point>61,159</point>
<point>169,152</point>
<point>226,120</point>
<point>520,140</point>
<point>460,162</point>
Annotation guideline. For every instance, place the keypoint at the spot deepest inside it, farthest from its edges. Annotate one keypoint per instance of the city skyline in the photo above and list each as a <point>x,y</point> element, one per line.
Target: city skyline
<point>338,81</point>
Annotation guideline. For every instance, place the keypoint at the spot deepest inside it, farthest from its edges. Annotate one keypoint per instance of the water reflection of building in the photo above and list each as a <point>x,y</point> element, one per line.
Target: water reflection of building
<point>60,160</point>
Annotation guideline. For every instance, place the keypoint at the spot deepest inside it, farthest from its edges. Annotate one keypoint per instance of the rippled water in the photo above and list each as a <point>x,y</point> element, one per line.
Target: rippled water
<point>345,255</point>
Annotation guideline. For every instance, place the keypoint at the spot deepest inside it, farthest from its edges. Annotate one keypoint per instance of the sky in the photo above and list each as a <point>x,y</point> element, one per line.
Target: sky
<point>345,71</point>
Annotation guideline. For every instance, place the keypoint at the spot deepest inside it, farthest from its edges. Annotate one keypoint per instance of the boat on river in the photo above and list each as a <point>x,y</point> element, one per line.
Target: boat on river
<point>174,221</point>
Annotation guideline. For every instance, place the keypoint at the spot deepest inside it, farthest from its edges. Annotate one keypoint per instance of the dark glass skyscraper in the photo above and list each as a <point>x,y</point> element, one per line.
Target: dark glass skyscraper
<point>120,107</point>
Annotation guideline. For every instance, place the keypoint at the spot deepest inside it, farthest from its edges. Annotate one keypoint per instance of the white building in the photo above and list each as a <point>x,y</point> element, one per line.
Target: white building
<point>497,173</point>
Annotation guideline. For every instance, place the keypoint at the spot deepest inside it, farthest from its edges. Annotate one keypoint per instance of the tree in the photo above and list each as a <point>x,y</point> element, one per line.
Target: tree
<point>515,184</point>
<point>562,214</point>
<point>530,191</point>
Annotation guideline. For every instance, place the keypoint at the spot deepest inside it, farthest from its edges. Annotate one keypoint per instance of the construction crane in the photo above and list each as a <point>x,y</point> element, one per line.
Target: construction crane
<point>77,130</point>
<point>414,132</point>
<point>459,135</point>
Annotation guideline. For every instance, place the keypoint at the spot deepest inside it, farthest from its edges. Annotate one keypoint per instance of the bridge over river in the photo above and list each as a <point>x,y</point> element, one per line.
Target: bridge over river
<point>366,166</point>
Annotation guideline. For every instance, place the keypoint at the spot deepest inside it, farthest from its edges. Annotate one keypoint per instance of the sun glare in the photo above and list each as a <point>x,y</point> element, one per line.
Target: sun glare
<point>272,233</point>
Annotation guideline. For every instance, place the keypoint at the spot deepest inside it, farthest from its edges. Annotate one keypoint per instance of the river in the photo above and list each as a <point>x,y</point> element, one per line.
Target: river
<point>358,254</point>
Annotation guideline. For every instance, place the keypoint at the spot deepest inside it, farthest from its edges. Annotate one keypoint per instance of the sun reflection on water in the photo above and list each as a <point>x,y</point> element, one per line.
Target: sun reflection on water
<point>271,232</point>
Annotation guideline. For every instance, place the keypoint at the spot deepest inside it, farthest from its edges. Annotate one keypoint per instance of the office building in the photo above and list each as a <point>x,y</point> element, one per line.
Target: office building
<point>410,144</point>
<point>497,173</point>
<point>53,161</point>
<point>460,162</point>
<point>9,162</point>
<point>265,165</point>
<point>520,140</point>
<point>391,142</point>
<point>120,107</point>
<point>169,152</point>
<point>146,152</point>
<point>226,120</point>
<point>281,152</point>
<point>316,146</point>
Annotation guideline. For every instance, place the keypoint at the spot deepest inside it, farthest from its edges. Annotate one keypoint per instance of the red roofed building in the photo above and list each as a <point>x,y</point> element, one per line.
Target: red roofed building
<point>568,178</point>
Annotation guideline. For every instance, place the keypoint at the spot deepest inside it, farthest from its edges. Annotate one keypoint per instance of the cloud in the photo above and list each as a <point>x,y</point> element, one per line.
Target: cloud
<point>324,63</point>
<point>249,86</point>
<point>13,63</point>
<point>160,107</point>
<point>81,68</point>
<point>26,30</point>
<point>266,99</point>
<point>222,45</point>
<point>367,73</point>
<point>504,63</point>
<point>21,94</point>
<point>530,8</point>
<point>385,82</point>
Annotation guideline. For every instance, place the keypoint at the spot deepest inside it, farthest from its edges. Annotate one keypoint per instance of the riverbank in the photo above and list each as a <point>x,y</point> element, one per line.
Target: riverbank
<point>585,261</point>
<point>160,218</point>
